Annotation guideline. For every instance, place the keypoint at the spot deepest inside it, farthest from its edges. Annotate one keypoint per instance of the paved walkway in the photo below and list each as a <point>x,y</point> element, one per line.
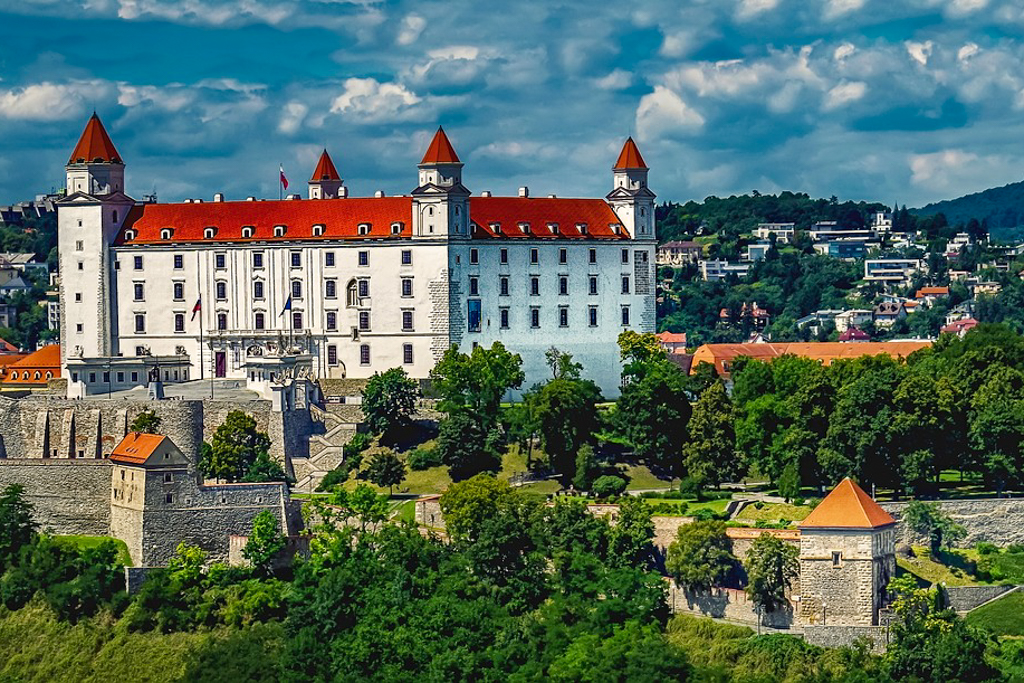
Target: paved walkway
<point>222,390</point>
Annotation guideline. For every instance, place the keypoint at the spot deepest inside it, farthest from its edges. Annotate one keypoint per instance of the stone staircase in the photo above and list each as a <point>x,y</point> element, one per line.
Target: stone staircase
<point>326,450</point>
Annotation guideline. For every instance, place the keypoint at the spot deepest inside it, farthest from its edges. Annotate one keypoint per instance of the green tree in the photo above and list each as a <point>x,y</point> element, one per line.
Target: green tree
<point>638,350</point>
<point>586,468</point>
<point>466,446</point>
<point>565,411</point>
<point>701,556</point>
<point>146,422</point>
<point>234,448</point>
<point>771,567</point>
<point>17,528</point>
<point>710,455</point>
<point>653,411</point>
<point>386,469</point>
<point>477,381</point>
<point>928,519</point>
<point>467,504</point>
<point>630,540</point>
<point>633,652</point>
<point>264,468</point>
<point>389,400</point>
<point>609,485</point>
<point>265,542</point>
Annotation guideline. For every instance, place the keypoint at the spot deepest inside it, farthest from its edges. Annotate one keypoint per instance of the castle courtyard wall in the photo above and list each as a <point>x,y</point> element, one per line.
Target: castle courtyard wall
<point>69,496</point>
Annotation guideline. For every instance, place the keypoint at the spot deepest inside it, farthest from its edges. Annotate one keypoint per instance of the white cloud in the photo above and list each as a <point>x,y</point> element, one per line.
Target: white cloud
<point>954,172</point>
<point>412,27</point>
<point>960,8</point>
<point>618,79</point>
<point>838,8</point>
<point>678,44</point>
<point>843,51</point>
<point>292,117</point>
<point>845,93</point>
<point>967,51</point>
<point>751,9</point>
<point>664,112</point>
<point>49,101</point>
<point>376,102</point>
<point>173,98</point>
<point>920,52</point>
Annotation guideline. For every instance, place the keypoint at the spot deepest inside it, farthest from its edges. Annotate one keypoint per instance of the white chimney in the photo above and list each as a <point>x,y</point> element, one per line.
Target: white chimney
<point>250,199</point>
<point>524,191</point>
<point>218,197</point>
<point>485,193</point>
<point>343,192</point>
<point>552,196</point>
<point>378,194</point>
<point>294,196</point>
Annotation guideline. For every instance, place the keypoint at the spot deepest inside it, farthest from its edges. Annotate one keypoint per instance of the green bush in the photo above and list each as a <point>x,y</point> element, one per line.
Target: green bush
<point>424,458</point>
<point>691,487</point>
<point>336,476</point>
<point>609,485</point>
<point>703,515</point>
<point>1015,548</point>
<point>357,444</point>
<point>985,548</point>
<point>759,505</point>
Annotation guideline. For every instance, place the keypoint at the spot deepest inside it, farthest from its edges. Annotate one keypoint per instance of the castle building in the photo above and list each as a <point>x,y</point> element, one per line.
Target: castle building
<point>847,557</point>
<point>345,286</point>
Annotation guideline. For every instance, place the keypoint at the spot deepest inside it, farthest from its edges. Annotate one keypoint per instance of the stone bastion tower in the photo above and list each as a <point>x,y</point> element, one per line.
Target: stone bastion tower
<point>847,556</point>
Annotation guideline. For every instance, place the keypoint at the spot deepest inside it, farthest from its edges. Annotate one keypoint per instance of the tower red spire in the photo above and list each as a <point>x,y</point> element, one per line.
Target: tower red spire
<point>325,169</point>
<point>95,146</point>
<point>629,157</point>
<point>440,150</point>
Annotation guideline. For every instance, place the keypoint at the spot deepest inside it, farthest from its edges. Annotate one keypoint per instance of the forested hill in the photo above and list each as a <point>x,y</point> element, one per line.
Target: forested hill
<point>1001,207</point>
<point>740,214</point>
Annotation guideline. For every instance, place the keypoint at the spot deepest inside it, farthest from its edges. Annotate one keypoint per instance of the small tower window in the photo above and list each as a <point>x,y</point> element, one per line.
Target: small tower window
<point>318,230</point>
<point>496,228</point>
<point>525,228</point>
<point>364,228</point>
<point>209,233</point>
<point>114,215</point>
<point>279,230</point>
<point>553,227</point>
<point>166,233</point>
<point>396,228</point>
<point>837,558</point>
<point>582,227</point>
<point>129,235</point>
<point>247,231</point>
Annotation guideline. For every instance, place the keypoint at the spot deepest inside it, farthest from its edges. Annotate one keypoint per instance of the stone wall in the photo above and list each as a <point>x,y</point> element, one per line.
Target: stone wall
<point>965,598</point>
<point>69,496</point>
<point>995,520</point>
<point>732,604</point>
<point>844,636</point>
<point>428,512</point>
<point>844,574</point>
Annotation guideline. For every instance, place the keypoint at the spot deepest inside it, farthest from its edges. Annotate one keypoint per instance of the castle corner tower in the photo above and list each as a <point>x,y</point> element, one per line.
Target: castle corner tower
<point>631,198</point>
<point>326,183</point>
<point>440,201</point>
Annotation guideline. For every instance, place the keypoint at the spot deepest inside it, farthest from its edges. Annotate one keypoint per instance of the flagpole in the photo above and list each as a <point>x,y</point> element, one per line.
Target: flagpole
<point>280,182</point>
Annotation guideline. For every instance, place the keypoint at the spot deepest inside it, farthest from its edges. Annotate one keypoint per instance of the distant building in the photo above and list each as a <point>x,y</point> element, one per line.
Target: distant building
<point>984,288</point>
<point>717,270</point>
<point>721,356</point>
<point>23,263</point>
<point>678,253</point>
<point>783,232</point>
<point>881,221</point>
<point>845,249</point>
<point>888,312</point>
<point>892,270</point>
<point>929,295</point>
<point>816,320</point>
<point>959,327</point>
<point>853,334</point>
<point>853,318</point>
<point>758,316</point>
<point>757,251</point>
<point>32,372</point>
<point>672,342</point>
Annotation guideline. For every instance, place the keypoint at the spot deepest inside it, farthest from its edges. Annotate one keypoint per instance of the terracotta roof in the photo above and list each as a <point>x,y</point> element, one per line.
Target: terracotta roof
<point>136,447</point>
<point>931,291</point>
<point>847,507</point>
<point>7,347</point>
<point>629,157</point>
<point>671,337</point>
<point>341,219</point>
<point>94,145</point>
<point>960,325</point>
<point>440,150</point>
<point>23,371</point>
<point>325,169</point>
<point>826,352</point>
<point>538,213</point>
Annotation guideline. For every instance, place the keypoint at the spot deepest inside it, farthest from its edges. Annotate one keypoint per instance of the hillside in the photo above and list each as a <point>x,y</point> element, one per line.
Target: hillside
<point>1001,207</point>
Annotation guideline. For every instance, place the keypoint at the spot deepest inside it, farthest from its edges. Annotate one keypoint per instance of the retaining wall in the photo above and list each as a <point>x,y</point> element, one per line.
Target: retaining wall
<point>965,598</point>
<point>69,496</point>
<point>725,603</point>
<point>995,520</point>
<point>844,636</point>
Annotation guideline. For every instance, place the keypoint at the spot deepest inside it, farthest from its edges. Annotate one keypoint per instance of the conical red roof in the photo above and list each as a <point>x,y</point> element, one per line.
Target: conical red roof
<point>847,507</point>
<point>629,157</point>
<point>95,146</point>
<point>325,169</point>
<point>440,150</point>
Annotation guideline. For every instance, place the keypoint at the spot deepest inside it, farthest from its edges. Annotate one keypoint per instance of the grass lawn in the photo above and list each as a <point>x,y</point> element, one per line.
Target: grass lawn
<point>929,570</point>
<point>1004,617</point>
<point>641,478</point>
<point>773,512</point>
<point>713,505</point>
<point>84,542</point>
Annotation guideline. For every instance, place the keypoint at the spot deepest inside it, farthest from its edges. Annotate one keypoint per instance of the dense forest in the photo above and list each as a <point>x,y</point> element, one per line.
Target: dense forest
<point>35,236</point>
<point>1001,208</point>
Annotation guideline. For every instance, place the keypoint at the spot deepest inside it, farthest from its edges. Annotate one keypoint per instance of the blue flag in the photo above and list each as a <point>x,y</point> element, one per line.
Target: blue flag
<point>287,306</point>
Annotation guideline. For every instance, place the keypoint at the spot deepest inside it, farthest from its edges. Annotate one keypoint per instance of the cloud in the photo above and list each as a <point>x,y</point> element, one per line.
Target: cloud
<point>663,112</point>
<point>412,27</point>
<point>48,101</point>
<point>844,93</point>
<point>618,79</point>
<point>751,9</point>
<point>955,172</point>
<point>376,102</point>
<point>838,8</point>
<point>292,117</point>
<point>920,52</point>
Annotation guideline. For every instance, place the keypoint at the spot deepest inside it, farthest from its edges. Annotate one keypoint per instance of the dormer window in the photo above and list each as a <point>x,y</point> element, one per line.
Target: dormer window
<point>129,235</point>
<point>525,228</point>
<point>318,230</point>
<point>166,233</point>
<point>209,233</point>
<point>496,228</point>
<point>616,228</point>
<point>553,227</point>
<point>582,227</point>
<point>396,227</point>
<point>247,231</point>
<point>364,228</point>
<point>280,230</point>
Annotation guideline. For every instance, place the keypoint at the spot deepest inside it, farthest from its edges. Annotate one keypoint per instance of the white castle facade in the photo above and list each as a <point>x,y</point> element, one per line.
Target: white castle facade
<point>337,286</point>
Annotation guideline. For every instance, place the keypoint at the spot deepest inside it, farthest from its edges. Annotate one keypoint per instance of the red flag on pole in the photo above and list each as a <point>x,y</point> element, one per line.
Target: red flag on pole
<point>198,307</point>
<point>284,181</point>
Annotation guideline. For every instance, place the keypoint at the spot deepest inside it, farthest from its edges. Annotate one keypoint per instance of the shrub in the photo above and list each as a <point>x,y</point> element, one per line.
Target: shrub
<point>609,485</point>
<point>691,487</point>
<point>759,505</point>
<point>424,458</point>
<point>357,444</point>
<point>336,476</point>
<point>1015,548</point>
<point>703,515</point>
<point>985,548</point>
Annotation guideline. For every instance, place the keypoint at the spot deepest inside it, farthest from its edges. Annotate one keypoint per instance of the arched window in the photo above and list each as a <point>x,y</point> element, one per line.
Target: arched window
<point>37,375</point>
<point>222,321</point>
<point>129,235</point>
<point>49,375</point>
<point>364,228</point>
<point>352,291</point>
<point>318,230</point>
<point>396,228</point>
<point>209,233</point>
<point>279,230</point>
<point>166,233</point>
<point>14,375</point>
<point>247,231</point>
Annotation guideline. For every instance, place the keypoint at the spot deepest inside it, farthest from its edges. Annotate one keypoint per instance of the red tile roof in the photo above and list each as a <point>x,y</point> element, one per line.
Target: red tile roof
<point>847,507</point>
<point>24,371</point>
<point>629,157</point>
<point>94,145</point>
<point>325,169</point>
<point>136,447</point>
<point>720,355</point>
<point>440,150</point>
<point>7,347</point>
<point>671,337</point>
<point>539,213</point>
<point>854,334</point>
<point>960,326</point>
<point>931,291</point>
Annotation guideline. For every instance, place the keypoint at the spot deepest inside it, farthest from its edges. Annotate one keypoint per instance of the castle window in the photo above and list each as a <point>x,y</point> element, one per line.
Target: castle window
<point>179,322</point>
<point>406,287</point>
<point>318,230</point>
<point>553,227</point>
<point>396,228</point>
<point>563,285</point>
<point>625,284</point>
<point>135,377</point>
<point>49,375</point>
<point>592,313</point>
<point>625,315</point>
<point>332,354</point>
<point>331,289</point>
<point>407,354</point>
<point>593,284</point>
<point>137,262</point>
<point>179,261</point>
<point>407,257</point>
<point>364,321</point>
<point>14,375</point>
<point>582,227</point>
<point>259,321</point>
<point>219,261</point>
<point>352,293</point>
<point>524,228</point>
<point>166,233</point>
<point>837,558</point>
<point>79,245</point>
<point>364,228</point>
<point>140,323</point>
<point>139,291</point>
<point>364,354</point>
<point>563,256</point>
<point>279,230</point>
<point>168,477</point>
<point>78,297</point>
<point>257,259</point>
<point>92,378</point>
<point>474,286</point>
<point>503,255</point>
<point>120,377</point>
<point>257,289</point>
<point>563,317</point>
<point>209,234</point>
<point>534,318</point>
<point>534,256</point>
<point>332,321</point>
<point>364,288</point>
<point>178,289</point>
<point>625,255</point>
<point>37,375</point>
<point>535,286</point>
<point>113,215</point>
<point>593,255</point>
<point>122,475</point>
<point>297,289</point>
<point>296,259</point>
<point>297,320</point>
<point>221,289</point>
<point>222,321</point>
<point>364,258</point>
<point>407,321</point>
<point>248,231</point>
<point>474,256</point>
<point>503,286</point>
<point>329,259</point>
<point>496,228</point>
<point>503,318</point>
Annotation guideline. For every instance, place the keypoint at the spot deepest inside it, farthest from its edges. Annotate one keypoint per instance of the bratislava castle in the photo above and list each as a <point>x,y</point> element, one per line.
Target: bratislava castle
<point>342,286</point>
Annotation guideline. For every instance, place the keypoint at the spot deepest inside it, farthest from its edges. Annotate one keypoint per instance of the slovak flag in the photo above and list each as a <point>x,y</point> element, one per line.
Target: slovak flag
<point>287,307</point>
<point>198,307</point>
<point>284,181</point>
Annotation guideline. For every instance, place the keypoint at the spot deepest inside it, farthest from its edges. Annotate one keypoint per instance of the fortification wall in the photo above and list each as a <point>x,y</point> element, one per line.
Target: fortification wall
<point>725,603</point>
<point>965,598</point>
<point>995,520</point>
<point>842,636</point>
<point>69,496</point>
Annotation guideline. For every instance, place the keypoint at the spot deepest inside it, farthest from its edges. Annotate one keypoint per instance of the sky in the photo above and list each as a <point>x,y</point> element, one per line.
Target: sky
<point>907,101</point>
